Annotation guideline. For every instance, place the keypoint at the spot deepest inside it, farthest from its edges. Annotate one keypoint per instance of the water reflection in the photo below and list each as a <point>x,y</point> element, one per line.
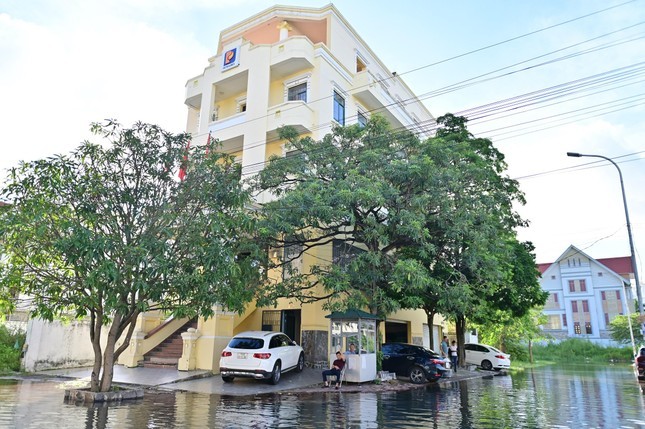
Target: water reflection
<point>547,397</point>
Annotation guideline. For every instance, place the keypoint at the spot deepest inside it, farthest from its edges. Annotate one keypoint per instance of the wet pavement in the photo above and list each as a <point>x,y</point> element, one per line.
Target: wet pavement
<point>562,396</point>
<point>204,381</point>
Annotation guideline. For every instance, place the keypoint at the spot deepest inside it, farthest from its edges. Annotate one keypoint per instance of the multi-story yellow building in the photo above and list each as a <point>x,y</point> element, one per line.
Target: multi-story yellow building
<point>304,67</point>
<point>307,68</point>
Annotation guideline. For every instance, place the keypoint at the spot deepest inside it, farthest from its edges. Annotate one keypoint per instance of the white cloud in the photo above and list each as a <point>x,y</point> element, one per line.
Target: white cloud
<point>63,77</point>
<point>68,63</point>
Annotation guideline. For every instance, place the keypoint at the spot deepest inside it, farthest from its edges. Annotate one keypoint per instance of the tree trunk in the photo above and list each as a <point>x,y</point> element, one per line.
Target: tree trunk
<point>430,321</point>
<point>530,351</point>
<point>502,340</point>
<point>108,355</point>
<point>130,324</point>
<point>95,335</point>
<point>108,369</point>
<point>460,326</point>
<point>96,367</point>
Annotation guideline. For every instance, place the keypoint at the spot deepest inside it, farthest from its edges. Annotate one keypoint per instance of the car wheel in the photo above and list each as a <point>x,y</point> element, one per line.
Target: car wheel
<point>417,375</point>
<point>227,378</point>
<point>487,365</point>
<point>275,374</point>
<point>301,363</point>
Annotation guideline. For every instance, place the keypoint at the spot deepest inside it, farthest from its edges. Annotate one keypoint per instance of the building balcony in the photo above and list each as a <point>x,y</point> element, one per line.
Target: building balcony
<point>370,92</point>
<point>375,97</point>
<point>291,56</point>
<point>229,131</point>
<point>194,93</point>
<point>297,114</point>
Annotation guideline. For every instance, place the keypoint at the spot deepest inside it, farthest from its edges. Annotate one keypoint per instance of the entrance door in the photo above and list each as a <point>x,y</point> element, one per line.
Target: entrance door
<point>396,332</point>
<point>291,324</point>
<point>287,321</point>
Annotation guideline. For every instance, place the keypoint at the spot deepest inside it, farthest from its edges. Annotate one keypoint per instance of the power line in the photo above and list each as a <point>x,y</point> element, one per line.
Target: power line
<point>417,99</point>
<point>584,166</point>
<point>497,140</point>
<point>535,97</point>
<point>519,37</point>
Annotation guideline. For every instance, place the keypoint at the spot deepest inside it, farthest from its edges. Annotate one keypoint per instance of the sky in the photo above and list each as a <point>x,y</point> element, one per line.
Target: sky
<point>67,63</point>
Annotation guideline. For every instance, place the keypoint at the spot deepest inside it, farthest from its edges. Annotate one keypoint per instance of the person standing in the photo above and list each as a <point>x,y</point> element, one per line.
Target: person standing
<point>444,348</point>
<point>454,355</point>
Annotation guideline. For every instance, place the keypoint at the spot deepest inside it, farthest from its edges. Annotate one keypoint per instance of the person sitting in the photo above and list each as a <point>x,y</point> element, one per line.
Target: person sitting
<point>352,349</point>
<point>336,369</point>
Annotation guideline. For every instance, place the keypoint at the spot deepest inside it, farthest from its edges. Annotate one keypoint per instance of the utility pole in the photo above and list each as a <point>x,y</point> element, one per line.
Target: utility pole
<point>629,234</point>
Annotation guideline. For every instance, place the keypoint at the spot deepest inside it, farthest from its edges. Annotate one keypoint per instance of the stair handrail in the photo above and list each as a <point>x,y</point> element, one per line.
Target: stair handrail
<point>159,328</point>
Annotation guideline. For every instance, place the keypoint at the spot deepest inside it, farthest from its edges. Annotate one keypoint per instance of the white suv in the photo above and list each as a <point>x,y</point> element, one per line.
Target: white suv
<point>260,355</point>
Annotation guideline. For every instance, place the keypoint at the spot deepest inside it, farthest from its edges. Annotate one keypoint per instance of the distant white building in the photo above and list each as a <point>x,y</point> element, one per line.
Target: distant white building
<point>585,294</point>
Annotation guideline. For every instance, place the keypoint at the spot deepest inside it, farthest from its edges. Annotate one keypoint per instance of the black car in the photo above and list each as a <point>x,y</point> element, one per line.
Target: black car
<point>410,360</point>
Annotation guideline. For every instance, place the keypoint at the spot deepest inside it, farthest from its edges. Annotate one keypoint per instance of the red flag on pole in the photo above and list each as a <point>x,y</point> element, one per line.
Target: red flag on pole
<point>208,144</point>
<point>184,163</point>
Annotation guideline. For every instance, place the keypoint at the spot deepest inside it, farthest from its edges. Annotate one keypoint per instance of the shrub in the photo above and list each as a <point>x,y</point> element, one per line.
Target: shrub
<point>10,347</point>
<point>517,350</point>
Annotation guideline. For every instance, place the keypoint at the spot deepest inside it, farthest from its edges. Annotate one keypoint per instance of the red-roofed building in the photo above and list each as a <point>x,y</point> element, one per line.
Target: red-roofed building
<point>585,294</point>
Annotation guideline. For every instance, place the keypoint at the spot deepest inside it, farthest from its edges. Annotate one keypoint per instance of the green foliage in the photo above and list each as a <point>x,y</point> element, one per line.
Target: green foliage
<point>366,190</point>
<point>478,268</point>
<point>108,232</point>
<point>418,223</point>
<point>619,329</point>
<point>503,330</point>
<point>517,349</point>
<point>581,351</point>
<point>10,348</point>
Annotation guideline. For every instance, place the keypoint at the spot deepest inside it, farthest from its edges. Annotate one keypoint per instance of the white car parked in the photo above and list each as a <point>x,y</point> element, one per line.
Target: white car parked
<point>260,355</point>
<point>487,357</point>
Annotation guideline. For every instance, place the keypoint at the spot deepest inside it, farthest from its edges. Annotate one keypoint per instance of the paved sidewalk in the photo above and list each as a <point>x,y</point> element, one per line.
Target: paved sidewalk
<point>201,381</point>
<point>148,377</point>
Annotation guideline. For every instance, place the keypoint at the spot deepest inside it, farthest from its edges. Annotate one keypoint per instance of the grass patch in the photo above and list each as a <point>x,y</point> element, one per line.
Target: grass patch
<point>520,365</point>
<point>577,350</point>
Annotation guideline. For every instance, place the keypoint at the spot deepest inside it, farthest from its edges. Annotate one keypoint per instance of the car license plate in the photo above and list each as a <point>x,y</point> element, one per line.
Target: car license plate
<point>242,355</point>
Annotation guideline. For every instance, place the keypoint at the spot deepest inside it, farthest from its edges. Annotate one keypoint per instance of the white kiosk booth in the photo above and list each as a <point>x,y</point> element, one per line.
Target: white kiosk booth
<point>359,328</point>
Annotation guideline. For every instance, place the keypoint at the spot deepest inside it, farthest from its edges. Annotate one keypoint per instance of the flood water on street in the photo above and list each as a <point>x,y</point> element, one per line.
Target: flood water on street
<point>548,397</point>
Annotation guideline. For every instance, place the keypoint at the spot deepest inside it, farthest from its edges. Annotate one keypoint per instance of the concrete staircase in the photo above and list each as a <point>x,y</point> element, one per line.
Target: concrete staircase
<point>167,353</point>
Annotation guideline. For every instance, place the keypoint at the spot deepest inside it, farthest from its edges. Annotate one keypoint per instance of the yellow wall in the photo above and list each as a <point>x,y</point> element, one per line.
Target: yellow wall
<point>263,84</point>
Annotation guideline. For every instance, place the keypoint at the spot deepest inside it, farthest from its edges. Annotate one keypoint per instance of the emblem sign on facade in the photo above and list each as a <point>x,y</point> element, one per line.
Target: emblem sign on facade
<point>230,59</point>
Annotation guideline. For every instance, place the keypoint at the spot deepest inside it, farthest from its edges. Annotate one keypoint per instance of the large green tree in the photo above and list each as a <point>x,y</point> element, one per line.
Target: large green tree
<point>368,192</point>
<point>109,231</point>
<point>414,224</point>
<point>476,259</point>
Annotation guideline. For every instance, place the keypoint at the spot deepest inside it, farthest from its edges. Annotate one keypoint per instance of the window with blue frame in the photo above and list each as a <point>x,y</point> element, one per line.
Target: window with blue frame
<point>339,108</point>
<point>298,93</point>
<point>362,119</point>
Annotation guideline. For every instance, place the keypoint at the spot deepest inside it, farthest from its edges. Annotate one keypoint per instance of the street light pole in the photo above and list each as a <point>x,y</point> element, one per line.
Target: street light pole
<point>629,227</point>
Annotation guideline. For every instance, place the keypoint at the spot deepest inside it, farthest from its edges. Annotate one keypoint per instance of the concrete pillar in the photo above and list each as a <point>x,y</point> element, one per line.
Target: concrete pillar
<point>257,102</point>
<point>188,358</point>
<point>217,331</point>
<point>134,353</point>
<point>284,30</point>
<point>148,321</point>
